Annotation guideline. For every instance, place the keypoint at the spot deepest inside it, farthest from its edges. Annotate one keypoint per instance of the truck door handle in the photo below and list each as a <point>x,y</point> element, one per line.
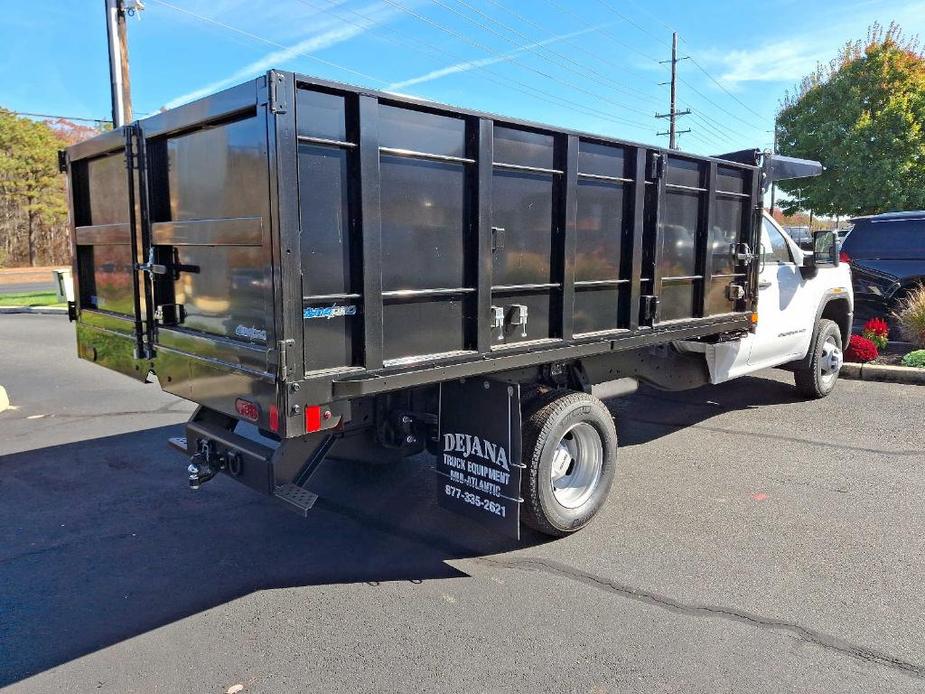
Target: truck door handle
<point>764,284</point>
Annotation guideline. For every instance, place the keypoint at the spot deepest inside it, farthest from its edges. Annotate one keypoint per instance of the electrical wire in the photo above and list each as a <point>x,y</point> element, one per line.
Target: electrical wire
<point>581,69</point>
<point>578,48</point>
<point>565,9</point>
<point>502,80</point>
<point>507,58</point>
<point>693,60</point>
<point>57,117</point>
<point>720,85</point>
<point>267,41</point>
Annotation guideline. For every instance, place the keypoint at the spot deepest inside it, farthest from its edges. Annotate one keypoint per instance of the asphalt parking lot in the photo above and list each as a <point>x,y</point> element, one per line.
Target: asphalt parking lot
<point>753,542</point>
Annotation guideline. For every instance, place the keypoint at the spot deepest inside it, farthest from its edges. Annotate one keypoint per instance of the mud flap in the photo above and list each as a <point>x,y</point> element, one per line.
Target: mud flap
<point>480,465</point>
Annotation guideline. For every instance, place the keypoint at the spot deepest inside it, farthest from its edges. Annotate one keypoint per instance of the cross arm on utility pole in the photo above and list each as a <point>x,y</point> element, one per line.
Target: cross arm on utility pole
<point>673,112</point>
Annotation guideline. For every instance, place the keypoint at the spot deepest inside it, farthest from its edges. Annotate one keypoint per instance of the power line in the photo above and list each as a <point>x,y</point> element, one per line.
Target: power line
<point>267,41</point>
<point>628,20</point>
<point>748,108</point>
<point>577,48</point>
<point>609,34</point>
<point>503,81</point>
<point>720,85</point>
<point>710,101</point>
<point>57,117</point>
<point>581,70</point>
<point>493,52</point>
<point>536,50</point>
<point>568,11</point>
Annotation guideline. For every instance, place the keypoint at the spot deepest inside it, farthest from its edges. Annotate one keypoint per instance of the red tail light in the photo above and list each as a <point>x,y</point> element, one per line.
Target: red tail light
<point>312,418</point>
<point>274,418</point>
<point>844,257</point>
<point>247,410</point>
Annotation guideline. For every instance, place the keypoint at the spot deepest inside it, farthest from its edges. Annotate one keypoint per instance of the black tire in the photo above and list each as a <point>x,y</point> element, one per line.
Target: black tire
<point>813,380</point>
<point>544,427</point>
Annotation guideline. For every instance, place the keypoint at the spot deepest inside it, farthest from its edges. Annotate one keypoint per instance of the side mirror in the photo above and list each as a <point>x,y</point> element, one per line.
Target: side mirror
<point>825,248</point>
<point>808,269</point>
<point>824,254</point>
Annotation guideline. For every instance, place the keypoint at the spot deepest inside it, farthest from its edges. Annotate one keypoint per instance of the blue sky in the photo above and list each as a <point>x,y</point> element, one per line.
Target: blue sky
<point>590,65</point>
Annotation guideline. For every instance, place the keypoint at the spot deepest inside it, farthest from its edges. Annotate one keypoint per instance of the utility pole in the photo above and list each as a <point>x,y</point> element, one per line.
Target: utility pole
<point>774,151</point>
<point>673,112</point>
<point>117,38</point>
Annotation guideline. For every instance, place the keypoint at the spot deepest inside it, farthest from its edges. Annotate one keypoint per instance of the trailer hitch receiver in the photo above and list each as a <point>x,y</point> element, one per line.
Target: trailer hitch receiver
<point>204,464</point>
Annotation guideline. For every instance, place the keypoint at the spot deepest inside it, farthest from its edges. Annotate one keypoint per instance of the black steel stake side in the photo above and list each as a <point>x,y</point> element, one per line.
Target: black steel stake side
<point>638,231</point>
<point>484,159</point>
<point>706,265</point>
<point>371,224</point>
<point>651,301</point>
<point>569,227</point>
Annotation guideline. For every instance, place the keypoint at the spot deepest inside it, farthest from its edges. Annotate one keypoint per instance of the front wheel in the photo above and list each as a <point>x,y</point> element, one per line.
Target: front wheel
<point>817,379</point>
<point>570,450</point>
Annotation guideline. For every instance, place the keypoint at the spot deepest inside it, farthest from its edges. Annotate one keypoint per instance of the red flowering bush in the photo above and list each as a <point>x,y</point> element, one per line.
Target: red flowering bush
<point>860,349</point>
<point>876,330</point>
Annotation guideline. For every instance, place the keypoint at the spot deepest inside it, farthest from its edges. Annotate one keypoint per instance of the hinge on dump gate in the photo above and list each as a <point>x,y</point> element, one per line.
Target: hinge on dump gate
<point>657,165</point>
<point>276,90</point>
<point>649,309</point>
<point>283,358</point>
<point>62,160</point>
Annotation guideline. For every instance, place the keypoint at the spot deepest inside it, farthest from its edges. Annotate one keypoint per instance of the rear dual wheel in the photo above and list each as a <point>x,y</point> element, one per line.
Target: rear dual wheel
<point>570,452</point>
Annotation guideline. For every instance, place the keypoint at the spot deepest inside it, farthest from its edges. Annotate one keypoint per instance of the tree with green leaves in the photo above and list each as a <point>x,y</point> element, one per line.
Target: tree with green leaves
<point>863,116</point>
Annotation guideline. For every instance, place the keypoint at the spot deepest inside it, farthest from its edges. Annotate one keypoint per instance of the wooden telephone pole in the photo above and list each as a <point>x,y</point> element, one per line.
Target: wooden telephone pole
<point>117,38</point>
<point>673,112</point>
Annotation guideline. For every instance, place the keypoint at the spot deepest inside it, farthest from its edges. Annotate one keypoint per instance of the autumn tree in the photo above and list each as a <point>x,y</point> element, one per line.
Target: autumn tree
<point>863,116</point>
<point>33,201</point>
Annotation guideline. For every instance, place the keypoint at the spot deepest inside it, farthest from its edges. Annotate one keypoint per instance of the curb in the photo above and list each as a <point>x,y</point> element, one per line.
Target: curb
<point>883,374</point>
<point>47,310</point>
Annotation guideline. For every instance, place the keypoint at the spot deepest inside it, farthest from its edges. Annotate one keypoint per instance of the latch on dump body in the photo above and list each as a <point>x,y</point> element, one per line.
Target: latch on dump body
<point>516,315</point>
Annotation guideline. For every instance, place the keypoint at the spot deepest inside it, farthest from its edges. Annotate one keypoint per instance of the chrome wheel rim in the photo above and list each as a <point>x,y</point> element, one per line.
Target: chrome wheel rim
<point>830,361</point>
<point>576,465</point>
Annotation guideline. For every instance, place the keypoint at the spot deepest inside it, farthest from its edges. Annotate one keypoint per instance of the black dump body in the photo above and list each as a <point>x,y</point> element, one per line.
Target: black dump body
<point>295,243</point>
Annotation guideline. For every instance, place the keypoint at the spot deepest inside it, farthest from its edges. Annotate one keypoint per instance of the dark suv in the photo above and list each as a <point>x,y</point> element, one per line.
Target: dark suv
<point>887,257</point>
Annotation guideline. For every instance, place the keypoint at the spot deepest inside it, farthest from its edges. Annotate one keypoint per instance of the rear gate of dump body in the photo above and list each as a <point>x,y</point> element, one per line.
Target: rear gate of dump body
<point>173,251</point>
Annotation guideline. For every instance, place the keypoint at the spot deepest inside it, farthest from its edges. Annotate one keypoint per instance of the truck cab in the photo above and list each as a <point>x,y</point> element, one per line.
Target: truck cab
<point>805,308</point>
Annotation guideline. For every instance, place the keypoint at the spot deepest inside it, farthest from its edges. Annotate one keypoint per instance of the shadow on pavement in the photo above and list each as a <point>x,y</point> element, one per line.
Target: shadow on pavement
<point>651,414</point>
<point>103,541</point>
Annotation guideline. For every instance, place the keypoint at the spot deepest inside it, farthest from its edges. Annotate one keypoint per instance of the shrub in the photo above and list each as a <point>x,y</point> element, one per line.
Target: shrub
<point>916,358</point>
<point>860,349</point>
<point>876,330</point>
<point>911,316</point>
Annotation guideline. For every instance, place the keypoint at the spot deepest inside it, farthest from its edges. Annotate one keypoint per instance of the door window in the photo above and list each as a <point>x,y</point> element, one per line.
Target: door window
<point>774,247</point>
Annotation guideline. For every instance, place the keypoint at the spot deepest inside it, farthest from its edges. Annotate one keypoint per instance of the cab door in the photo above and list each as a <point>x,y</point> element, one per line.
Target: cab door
<point>783,324</point>
<point>786,313</point>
